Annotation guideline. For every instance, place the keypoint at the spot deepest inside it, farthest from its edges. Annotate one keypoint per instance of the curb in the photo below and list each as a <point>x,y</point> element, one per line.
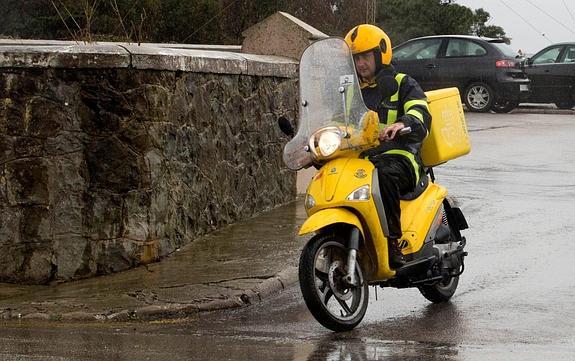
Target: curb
<point>265,289</point>
<point>532,110</point>
<point>541,111</point>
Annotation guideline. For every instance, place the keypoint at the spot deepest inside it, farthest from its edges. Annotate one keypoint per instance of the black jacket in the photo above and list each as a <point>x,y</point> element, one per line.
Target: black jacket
<point>377,97</point>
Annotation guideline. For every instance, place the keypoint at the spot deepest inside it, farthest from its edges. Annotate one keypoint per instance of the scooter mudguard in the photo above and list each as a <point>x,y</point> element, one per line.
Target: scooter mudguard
<point>326,217</point>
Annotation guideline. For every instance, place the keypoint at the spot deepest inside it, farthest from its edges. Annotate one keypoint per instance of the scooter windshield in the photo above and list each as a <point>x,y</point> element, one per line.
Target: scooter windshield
<point>329,96</point>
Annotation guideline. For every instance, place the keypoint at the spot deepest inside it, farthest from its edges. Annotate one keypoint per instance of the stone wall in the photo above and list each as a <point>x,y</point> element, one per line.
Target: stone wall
<point>103,168</point>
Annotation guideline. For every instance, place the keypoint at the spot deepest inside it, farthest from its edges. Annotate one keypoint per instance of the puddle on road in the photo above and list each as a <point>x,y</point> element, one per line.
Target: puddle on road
<point>256,248</point>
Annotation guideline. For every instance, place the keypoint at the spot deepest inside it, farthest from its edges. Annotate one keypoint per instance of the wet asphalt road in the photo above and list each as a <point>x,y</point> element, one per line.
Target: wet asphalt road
<point>516,299</point>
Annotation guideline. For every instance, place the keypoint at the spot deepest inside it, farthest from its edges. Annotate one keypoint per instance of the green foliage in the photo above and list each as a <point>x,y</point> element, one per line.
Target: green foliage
<point>223,21</point>
<point>406,19</point>
<point>193,21</point>
<point>490,31</point>
<point>28,19</point>
<point>493,31</point>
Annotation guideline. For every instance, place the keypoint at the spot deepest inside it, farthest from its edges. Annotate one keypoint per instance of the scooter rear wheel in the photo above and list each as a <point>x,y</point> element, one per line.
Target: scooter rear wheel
<point>441,291</point>
<point>322,268</point>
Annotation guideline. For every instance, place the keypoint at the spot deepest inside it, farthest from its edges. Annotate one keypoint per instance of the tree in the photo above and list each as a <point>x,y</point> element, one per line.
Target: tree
<point>406,19</point>
<point>223,21</point>
<point>29,19</point>
<point>191,21</point>
<point>481,17</point>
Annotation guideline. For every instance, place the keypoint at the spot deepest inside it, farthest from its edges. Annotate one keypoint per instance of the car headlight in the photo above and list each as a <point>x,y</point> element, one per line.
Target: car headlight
<point>360,194</point>
<point>309,201</point>
<point>329,141</point>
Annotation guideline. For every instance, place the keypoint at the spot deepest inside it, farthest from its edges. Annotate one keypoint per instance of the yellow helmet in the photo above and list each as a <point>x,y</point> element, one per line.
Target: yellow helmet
<point>368,37</point>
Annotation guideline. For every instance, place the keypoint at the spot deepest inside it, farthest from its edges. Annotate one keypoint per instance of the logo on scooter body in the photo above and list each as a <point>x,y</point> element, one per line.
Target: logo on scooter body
<point>360,173</point>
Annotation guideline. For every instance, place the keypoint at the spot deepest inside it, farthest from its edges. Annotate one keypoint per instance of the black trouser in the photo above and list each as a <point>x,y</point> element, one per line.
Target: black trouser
<point>396,176</point>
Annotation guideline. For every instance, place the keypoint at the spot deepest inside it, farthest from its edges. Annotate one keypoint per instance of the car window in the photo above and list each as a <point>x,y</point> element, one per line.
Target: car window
<point>505,49</point>
<point>569,55</point>
<point>461,47</point>
<point>419,49</point>
<point>547,57</point>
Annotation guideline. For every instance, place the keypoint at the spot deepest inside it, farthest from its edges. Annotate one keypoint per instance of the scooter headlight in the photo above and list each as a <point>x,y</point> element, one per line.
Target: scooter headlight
<point>360,194</point>
<point>309,202</point>
<point>328,142</point>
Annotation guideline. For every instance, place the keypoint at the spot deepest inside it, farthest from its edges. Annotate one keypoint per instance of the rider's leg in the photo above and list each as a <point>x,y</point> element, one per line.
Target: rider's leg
<point>395,176</point>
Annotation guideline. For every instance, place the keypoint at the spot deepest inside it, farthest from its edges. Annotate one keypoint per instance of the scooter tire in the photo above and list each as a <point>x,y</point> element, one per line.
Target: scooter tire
<point>440,292</point>
<point>310,292</point>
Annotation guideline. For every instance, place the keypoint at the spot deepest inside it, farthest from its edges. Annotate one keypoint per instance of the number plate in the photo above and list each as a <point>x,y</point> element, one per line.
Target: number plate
<point>523,87</point>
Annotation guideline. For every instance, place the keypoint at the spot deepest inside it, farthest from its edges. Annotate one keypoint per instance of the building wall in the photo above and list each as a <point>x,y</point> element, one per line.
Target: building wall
<point>112,159</point>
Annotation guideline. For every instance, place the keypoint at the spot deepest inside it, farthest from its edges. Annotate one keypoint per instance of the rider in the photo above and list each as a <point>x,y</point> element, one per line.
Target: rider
<point>400,102</point>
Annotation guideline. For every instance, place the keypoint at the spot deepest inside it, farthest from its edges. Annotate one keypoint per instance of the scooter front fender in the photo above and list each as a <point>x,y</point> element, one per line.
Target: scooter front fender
<point>326,217</point>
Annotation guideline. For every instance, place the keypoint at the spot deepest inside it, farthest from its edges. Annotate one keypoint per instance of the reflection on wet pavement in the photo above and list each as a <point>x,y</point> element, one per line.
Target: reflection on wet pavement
<point>514,302</point>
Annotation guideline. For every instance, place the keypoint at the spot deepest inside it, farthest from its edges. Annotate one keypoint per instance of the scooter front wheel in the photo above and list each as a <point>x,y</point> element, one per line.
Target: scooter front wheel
<point>333,302</point>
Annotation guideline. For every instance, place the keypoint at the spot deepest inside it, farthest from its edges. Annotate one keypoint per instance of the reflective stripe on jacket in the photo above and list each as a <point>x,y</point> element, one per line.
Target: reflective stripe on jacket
<point>407,104</point>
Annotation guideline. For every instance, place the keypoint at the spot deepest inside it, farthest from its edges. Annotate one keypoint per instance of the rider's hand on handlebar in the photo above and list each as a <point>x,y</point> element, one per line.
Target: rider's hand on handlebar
<point>389,132</point>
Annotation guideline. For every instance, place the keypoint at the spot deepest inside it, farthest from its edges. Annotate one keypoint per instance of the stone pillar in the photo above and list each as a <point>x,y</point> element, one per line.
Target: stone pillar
<point>280,34</point>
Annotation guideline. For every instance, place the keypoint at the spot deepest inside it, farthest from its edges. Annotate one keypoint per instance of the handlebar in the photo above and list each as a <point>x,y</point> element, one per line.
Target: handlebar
<point>405,131</point>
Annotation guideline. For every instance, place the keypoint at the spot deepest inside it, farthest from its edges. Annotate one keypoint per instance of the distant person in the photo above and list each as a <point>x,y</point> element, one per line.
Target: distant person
<point>520,54</point>
<point>400,102</point>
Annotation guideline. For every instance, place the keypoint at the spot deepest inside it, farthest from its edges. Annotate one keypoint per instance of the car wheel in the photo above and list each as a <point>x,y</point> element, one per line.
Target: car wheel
<point>504,105</point>
<point>478,97</point>
<point>566,104</point>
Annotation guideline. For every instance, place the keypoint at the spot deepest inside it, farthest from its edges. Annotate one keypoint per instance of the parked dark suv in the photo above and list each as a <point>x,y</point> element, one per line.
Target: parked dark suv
<point>552,75</point>
<point>486,71</point>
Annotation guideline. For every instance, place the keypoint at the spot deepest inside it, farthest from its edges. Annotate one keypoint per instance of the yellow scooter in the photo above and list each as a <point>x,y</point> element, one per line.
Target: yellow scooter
<point>349,249</point>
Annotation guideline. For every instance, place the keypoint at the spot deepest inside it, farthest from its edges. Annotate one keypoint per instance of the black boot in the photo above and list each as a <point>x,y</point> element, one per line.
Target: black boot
<point>396,259</point>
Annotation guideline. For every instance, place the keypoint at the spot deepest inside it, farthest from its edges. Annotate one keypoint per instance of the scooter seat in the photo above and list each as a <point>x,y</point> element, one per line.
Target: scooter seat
<point>419,189</point>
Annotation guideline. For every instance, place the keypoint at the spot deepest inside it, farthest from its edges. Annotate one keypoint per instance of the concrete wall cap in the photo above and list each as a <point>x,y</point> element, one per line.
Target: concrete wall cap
<point>172,57</point>
<point>314,33</point>
<point>63,56</point>
<point>38,42</point>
